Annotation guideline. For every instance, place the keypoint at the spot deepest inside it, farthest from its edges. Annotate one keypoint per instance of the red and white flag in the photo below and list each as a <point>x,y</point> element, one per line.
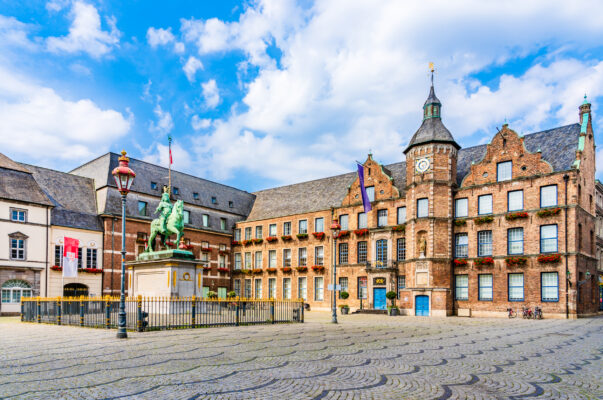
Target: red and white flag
<point>70,247</point>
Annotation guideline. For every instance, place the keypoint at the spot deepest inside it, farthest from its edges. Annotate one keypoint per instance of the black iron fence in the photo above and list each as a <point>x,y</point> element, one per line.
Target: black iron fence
<point>158,313</point>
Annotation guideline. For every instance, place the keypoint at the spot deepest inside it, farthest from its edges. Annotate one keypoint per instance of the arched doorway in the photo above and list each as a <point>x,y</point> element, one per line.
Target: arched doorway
<point>75,290</point>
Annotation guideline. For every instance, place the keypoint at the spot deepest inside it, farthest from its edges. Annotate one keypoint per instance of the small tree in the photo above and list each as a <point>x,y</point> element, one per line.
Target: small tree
<point>391,295</point>
<point>212,295</point>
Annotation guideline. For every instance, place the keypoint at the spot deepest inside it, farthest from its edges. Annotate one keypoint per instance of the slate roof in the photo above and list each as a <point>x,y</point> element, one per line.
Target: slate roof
<point>17,183</point>
<point>73,197</point>
<point>558,147</point>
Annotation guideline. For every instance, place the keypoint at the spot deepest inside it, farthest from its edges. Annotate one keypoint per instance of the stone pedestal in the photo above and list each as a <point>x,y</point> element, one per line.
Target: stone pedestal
<point>169,273</point>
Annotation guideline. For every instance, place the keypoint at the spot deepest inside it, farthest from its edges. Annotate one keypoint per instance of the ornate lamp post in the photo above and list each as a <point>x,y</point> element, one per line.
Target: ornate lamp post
<point>124,177</point>
<point>335,229</point>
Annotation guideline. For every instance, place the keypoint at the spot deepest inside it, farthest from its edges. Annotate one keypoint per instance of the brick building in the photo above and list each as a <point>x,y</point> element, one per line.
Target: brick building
<point>210,213</point>
<point>599,235</point>
<point>451,231</point>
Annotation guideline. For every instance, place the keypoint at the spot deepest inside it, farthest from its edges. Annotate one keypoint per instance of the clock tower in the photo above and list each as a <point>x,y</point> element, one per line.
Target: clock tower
<point>431,160</point>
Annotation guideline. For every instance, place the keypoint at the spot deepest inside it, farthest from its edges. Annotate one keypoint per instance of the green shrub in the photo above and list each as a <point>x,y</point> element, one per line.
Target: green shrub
<point>344,295</point>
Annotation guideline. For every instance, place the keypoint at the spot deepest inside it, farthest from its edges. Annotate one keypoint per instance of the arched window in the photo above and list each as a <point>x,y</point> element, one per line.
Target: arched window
<point>14,289</point>
<point>75,290</point>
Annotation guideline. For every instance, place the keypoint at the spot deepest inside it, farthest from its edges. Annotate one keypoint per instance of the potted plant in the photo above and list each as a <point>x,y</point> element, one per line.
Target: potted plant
<point>393,309</point>
<point>344,307</point>
<point>232,294</point>
<point>212,295</point>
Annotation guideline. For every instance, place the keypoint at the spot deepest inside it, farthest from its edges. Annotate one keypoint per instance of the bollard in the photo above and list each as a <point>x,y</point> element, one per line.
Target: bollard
<point>237,312</point>
<point>272,311</point>
<point>302,311</point>
<point>194,311</point>
<point>107,313</point>
<point>81,310</point>
<point>22,309</point>
<point>59,304</point>
<point>139,314</point>
<point>39,309</point>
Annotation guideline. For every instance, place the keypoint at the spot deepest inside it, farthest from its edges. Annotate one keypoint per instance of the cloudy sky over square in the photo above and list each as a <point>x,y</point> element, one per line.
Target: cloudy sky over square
<point>264,93</point>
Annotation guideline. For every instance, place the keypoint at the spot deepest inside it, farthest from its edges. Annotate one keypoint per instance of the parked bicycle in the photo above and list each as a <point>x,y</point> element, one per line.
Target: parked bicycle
<point>512,314</point>
<point>537,313</point>
<point>526,312</point>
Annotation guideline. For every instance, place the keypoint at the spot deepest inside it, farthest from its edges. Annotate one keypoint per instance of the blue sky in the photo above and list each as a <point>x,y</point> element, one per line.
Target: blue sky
<point>264,93</point>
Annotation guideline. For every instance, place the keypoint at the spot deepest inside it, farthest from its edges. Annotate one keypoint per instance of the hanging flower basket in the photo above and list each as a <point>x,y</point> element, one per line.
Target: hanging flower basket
<point>271,239</point>
<point>56,268</point>
<point>549,258</point>
<point>286,270</point>
<point>286,238</point>
<point>516,215</point>
<point>235,243</point>
<point>247,242</point>
<point>318,235</point>
<point>399,228</point>
<point>547,212</point>
<point>343,234</point>
<point>223,269</point>
<point>257,241</point>
<point>361,232</point>
<point>485,261</point>
<point>460,222</point>
<point>460,262</point>
<point>302,269</point>
<point>302,235</point>
<point>318,268</point>
<point>516,261</point>
<point>271,270</point>
<point>257,271</point>
<point>484,220</point>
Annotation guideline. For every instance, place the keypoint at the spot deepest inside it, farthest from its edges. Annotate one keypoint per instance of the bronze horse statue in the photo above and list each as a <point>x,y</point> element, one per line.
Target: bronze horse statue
<point>174,225</point>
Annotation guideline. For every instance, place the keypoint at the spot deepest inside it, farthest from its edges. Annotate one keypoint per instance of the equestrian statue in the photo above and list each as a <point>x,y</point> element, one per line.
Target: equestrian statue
<point>169,222</point>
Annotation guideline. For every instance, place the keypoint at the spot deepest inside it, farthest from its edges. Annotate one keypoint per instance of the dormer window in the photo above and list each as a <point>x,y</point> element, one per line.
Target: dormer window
<point>176,191</point>
<point>154,185</point>
<point>195,195</point>
<point>230,204</point>
<point>214,200</point>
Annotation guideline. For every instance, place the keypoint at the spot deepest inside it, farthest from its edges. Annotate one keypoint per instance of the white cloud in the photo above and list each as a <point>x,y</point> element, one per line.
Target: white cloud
<point>164,123</point>
<point>179,48</point>
<point>14,33</point>
<point>159,154</point>
<point>57,5</point>
<point>37,124</point>
<point>159,36</point>
<point>190,68</point>
<point>211,94</point>
<point>85,33</point>
<point>198,123</point>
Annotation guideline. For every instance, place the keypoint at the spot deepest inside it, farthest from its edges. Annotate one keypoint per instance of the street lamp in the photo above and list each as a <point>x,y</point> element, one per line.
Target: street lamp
<point>124,177</point>
<point>335,229</point>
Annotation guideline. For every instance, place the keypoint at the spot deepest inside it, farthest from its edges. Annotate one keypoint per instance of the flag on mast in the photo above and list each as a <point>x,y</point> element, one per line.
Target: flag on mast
<point>70,247</point>
<point>365,200</point>
<point>170,147</point>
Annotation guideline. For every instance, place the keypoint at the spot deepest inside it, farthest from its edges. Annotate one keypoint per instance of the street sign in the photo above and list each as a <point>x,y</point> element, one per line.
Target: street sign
<point>337,287</point>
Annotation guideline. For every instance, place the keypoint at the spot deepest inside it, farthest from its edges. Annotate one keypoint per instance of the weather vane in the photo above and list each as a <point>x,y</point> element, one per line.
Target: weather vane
<point>432,70</point>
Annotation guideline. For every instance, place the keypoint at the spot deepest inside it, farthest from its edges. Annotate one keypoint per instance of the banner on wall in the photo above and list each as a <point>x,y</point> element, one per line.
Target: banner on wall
<point>70,247</point>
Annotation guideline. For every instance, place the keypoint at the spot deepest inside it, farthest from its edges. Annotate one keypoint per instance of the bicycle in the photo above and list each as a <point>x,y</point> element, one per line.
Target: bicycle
<point>526,312</point>
<point>512,314</point>
<point>537,313</point>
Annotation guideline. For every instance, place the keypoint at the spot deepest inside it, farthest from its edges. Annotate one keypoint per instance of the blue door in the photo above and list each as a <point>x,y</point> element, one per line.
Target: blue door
<point>379,298</point>
<point>422,306</point>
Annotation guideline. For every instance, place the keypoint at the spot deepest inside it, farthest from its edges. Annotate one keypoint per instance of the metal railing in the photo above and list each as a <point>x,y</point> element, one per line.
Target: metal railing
<point>160,313</point>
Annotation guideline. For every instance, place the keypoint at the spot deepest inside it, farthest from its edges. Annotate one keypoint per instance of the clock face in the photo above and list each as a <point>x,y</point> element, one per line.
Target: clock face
<point>421,165</point>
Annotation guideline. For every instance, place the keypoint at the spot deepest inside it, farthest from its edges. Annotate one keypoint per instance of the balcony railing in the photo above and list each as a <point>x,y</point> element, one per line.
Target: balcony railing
<point>377,264</point>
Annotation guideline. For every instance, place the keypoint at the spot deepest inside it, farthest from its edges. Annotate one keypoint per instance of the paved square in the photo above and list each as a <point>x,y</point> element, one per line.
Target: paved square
<point>364,357</point>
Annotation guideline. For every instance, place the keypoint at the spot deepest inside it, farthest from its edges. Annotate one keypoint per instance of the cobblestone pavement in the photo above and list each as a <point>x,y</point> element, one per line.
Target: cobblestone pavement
<point>363,357</point>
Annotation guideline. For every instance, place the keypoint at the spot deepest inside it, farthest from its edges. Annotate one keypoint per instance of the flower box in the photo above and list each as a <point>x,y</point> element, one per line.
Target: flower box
<point>185,246</point>
<point>516,261</point>
<point>343,234</point>
<point>237,271</point>
<point>484,220</point>
<point>318,235</point>
<point>207,267</point>
<point>302,235</point>
<point>246,271</point>
<point>257,271</point>
<point>223,269</point>
<point>318,268</point>
<point>547,212</point>
<point>302,269</point>
<point>141,240</point>
<point>286,238</point>
<point>460,262</point>
<point>361,232</point>
<point>286,270</point>
<point>92,270</point>
<point>223,252</point>
<point>257,241</point>
<point>235,243</point>
<point>168,243</point>
<point>483,261</point>
<point>460,222</point>
<point>549,258</point>
<point>399,228</point>
<point>247,242</point>
<point>271,270</point>
<point>516,215</point>
<point>271,239</point>
<point>56,268</point>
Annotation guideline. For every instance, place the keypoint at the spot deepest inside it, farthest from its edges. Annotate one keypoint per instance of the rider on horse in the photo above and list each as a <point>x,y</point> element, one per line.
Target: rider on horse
<point>165,208</point>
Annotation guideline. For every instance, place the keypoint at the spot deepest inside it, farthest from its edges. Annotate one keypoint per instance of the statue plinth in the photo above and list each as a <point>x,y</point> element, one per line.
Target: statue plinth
<point>164,254</point>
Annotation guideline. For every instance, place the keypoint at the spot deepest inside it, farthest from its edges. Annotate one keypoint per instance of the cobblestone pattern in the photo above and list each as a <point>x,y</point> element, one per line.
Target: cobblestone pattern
<point>363,357</point>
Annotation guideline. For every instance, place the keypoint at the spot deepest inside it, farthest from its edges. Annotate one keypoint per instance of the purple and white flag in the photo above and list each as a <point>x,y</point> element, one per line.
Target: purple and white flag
<point>365,200</point>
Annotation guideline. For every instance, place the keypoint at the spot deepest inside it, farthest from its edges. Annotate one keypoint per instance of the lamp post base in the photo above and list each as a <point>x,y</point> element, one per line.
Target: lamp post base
<point>122,335</point>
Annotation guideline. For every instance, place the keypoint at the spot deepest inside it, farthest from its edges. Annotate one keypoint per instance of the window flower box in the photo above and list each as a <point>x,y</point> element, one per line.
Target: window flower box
<point>485,261</point>
<point>516,215</point>
<point>257,271</point>
<point>460,222</point>
<point>343,234</point>
<point>318,268</point>
<point>549,258</point>
<point>235,243</point>
<point>92,270</point>
<point>271,239</point>
<point>247,242</point>
<point>207,267</point>
<point>484,220</point>
<point>237,271</point>
<point>318,235</point>
<point>399,228</point>
<point>186,246</point>
<point>223,252</point>
<point>301,269</point>
<point>286,238</point>
<point>286,270</point>
<point>141,240</point>
<point>246,271</point>
<point>547,212</point>
<point>516,261</point>
<point>257,241</point>
<point>223,269</point>
<point>168,243</point>
<point>271,270</point>
<point>460,262</point>
<point>361,232</point>
<point>56,268</point>
<point>302,235</point>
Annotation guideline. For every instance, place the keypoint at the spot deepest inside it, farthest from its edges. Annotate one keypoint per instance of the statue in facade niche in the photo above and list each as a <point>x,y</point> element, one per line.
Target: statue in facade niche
<point>170,221</point>
<point>422,246</point>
